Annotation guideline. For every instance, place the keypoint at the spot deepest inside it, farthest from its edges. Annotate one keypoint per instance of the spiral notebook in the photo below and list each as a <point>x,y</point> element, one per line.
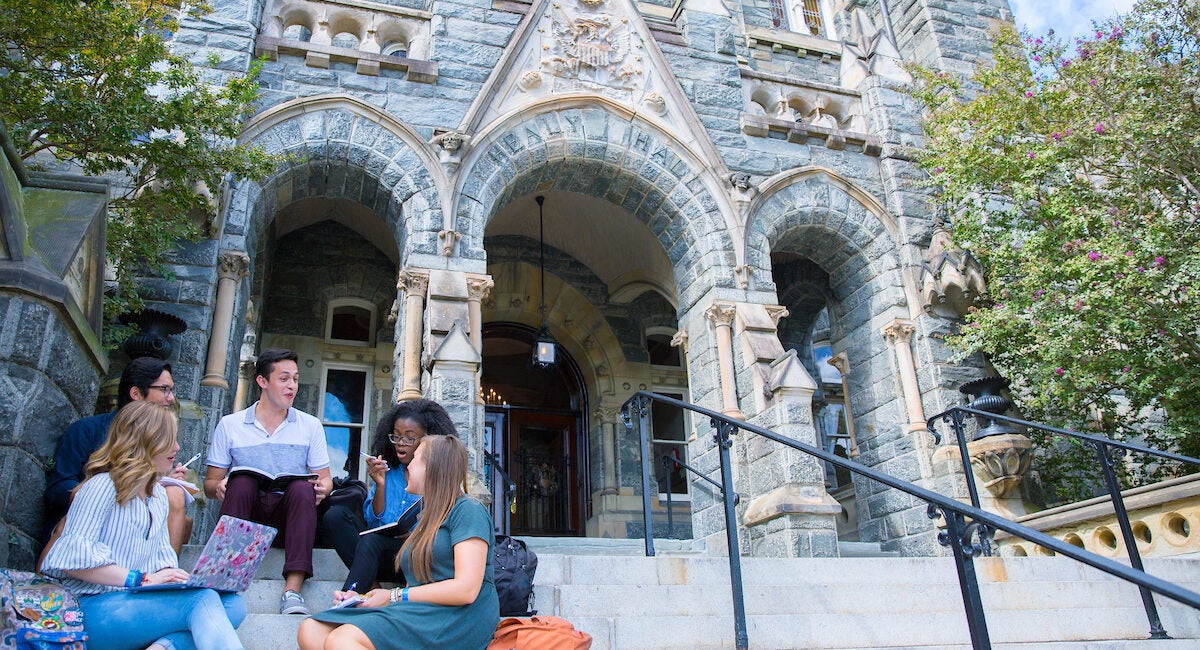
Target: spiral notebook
<point>229,559</point>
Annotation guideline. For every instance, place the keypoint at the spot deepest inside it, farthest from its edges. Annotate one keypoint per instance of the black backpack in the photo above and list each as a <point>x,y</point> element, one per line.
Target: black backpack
<point>513,566</point>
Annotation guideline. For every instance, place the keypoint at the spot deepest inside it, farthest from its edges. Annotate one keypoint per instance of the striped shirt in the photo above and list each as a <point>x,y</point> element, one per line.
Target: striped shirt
<point>99,532</point>
<point>296,446</point>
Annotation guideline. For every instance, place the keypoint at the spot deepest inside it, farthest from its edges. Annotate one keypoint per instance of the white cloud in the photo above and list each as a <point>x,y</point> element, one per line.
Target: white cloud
<point>1068,18</point>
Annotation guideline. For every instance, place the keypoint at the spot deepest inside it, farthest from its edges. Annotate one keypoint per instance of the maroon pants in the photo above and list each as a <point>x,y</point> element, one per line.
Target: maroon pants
<point>293,512</point>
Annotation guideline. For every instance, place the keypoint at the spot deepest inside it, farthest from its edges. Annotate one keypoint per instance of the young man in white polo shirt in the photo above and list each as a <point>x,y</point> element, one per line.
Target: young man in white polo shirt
<point>272,438</point>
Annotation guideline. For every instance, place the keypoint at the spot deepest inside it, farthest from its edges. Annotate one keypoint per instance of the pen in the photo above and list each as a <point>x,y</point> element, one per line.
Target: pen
<point>365,454</point>
<point>192,459</point>
<point>353,586</point>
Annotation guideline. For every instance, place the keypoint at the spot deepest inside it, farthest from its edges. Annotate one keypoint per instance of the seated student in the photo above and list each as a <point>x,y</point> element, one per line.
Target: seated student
<point>145,378</point>
<point>273,438</point>
<point>450,600</point>
<point>116,536</point>
<point>370,558</point>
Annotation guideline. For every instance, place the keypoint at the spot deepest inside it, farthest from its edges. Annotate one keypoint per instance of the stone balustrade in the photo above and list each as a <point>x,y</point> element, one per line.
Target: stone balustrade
<point>1165,518</point>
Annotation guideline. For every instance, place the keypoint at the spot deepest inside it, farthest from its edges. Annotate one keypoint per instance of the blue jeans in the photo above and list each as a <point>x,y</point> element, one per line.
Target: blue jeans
<point>189,619</point>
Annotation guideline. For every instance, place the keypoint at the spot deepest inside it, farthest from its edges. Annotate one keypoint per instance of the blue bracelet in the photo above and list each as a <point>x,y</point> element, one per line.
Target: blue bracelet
<point>404,595</point>
<point>133,579</point>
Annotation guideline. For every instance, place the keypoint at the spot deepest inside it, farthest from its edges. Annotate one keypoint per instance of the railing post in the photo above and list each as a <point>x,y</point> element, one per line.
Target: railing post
<point>670,518</point>
<point>960,434</point>
<point>1135,558</point>
<point>724,443</point>
<point>957,536</point>
<point>643,425</point>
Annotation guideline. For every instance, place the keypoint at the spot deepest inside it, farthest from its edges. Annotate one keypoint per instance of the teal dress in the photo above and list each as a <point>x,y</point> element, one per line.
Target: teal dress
<point>415,625</point>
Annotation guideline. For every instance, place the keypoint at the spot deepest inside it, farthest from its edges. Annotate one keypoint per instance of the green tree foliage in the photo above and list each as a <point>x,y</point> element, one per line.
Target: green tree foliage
<point>1072,172</point>
<point>96,85</point>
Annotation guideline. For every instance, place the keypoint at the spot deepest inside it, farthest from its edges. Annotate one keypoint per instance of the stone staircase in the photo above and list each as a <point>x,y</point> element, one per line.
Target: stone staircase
<point>681,599</point>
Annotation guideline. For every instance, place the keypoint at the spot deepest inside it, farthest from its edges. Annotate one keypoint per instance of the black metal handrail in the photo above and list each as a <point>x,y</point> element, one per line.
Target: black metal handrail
<point>667,461</point>
<point>956,417</point>
<point>968,528</point>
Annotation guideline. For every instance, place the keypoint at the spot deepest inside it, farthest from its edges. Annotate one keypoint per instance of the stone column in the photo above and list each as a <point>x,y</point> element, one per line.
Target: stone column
<point>899,335</point>
<point>608,417</point>
<point>721,315</point>
<point>414,284</point>
<point>245,378</point>
<point>841,361</point>
<point>477,291</point>
<point>232,266</point>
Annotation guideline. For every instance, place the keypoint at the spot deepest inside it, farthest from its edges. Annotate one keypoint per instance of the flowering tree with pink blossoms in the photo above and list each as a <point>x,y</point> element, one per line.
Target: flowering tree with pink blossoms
<point>1072,171</point>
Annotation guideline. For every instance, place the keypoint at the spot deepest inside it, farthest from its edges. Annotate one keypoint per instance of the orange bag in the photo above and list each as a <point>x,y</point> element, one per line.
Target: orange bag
<point>538,633</point>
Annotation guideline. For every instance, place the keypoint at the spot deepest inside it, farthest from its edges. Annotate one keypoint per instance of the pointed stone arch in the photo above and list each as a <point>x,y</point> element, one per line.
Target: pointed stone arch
<point>838,247</point>
<point>592,146</point>
<point>805,210</point>
<point>338,147</point>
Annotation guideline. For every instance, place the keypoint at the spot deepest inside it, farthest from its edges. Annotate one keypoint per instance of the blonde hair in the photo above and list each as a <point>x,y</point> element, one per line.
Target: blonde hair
<point>445,480</point>
<point>140,431</point>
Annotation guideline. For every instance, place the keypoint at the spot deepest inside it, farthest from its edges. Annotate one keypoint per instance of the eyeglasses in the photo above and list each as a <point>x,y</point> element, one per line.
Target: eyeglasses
<point>406,441</point>
<point>167,390</point>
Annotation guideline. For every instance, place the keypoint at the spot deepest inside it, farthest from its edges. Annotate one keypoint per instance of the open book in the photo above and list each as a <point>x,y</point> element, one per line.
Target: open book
<point>270,482</point>
<point>403,525</point>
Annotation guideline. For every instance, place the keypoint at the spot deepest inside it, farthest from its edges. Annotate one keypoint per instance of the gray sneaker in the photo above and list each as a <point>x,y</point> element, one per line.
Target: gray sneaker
<point>292,603</point>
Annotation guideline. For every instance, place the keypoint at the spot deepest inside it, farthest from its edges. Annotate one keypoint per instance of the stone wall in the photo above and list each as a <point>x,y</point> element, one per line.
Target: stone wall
<point>51,360</point>
<point>842,194</point>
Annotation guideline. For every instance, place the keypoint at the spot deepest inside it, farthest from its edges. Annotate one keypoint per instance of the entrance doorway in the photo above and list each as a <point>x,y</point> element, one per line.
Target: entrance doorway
<point>534,427</point>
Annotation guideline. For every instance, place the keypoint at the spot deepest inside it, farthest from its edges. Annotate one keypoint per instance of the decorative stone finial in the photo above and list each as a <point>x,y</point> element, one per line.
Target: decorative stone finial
<point>951,278</point>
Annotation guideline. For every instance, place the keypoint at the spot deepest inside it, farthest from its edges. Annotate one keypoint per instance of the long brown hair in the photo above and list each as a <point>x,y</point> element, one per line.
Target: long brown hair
<point>140,431</point>
<point>445,480</point>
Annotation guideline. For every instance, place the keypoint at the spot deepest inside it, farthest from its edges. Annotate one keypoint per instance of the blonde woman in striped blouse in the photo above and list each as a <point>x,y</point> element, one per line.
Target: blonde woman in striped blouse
<point>116,537</point>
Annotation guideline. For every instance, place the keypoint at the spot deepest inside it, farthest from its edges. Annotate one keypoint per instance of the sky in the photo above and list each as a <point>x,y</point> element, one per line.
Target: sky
<point>1068,18</point>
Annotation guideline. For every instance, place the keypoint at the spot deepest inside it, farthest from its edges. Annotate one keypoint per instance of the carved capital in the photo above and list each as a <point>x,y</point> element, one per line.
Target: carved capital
<point>776,313</point>
<point>479,288</point>
<point>606,414</point>
<point>840,361</point>
<point>413,282</point>
<point>898,331</point>
<point>680,340</point>
<point>233,265</point>
<point>721,313</point>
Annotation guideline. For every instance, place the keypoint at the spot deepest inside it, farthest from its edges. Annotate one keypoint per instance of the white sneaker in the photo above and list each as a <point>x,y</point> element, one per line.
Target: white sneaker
<point>292,603</point>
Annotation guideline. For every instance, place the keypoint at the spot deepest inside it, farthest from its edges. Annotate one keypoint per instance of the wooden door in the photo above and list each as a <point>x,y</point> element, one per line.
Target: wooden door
<point>543,460</point>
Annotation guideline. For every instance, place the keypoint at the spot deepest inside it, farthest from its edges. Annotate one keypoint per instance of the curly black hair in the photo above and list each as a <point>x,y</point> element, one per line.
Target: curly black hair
<point>425,412</point>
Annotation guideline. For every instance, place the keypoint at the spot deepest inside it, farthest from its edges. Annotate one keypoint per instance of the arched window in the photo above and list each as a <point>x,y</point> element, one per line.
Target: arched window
<point>350,321</point>
<point>346,40</point>
<point>779,17</point>
<point>298,33</point>
<point>398,50</point>
<point>810,12</point>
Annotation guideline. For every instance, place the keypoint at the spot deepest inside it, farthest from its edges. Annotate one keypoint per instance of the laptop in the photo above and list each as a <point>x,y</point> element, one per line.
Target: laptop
<point>229,559</point>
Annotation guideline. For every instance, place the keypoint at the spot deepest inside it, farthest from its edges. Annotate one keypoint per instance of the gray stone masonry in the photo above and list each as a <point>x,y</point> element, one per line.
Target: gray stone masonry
<point>362,137</point>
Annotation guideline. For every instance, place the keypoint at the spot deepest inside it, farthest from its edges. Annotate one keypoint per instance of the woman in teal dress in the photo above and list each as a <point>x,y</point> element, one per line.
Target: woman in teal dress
<point>450,600</point>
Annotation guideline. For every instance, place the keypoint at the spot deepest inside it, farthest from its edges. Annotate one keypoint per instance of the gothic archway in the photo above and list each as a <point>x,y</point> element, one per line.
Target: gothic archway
<point>535,426</point>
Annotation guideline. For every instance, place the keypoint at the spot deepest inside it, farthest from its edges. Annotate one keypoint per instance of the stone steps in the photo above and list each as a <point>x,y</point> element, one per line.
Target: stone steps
<point>682,599</point>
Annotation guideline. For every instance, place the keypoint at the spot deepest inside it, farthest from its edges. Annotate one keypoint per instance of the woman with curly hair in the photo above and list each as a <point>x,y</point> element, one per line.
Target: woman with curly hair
<point>450,600</point>
<point>116,538</point>
<point>370,557</point>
